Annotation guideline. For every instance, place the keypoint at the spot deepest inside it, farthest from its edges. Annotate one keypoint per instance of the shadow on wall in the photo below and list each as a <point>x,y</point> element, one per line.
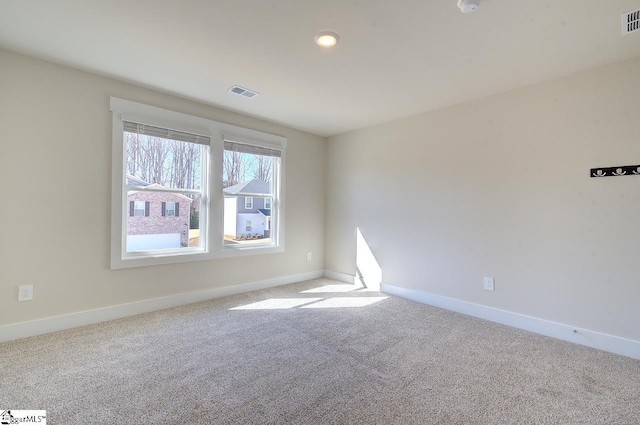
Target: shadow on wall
<point>367,268</point>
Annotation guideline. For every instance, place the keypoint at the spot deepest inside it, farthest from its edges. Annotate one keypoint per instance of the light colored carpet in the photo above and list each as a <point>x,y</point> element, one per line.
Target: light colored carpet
<point>313,353</point>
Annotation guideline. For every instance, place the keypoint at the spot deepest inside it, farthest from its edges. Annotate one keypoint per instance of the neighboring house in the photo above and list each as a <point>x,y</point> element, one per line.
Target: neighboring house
<point>156,220</point>
<point>134,181</point>
<point>247,215</point>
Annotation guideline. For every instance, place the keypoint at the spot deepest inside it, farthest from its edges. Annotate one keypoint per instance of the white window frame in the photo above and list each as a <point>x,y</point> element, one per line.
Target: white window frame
<point>212,202</point>
<point>136,209</point>
<point>265,203</point>
<point>248,202</point>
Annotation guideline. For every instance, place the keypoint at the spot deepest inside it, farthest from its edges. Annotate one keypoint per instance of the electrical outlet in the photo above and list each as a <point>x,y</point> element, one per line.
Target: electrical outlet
<point>25,292</point>
<point>488,283</point>
<point>309,256</point>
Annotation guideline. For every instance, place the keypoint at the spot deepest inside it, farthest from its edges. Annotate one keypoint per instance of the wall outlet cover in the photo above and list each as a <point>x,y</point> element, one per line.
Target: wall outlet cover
<point>25,292</point>
<point>488,284</point>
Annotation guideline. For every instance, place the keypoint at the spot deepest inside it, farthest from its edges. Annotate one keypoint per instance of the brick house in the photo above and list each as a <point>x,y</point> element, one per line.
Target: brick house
<point>156,220</point>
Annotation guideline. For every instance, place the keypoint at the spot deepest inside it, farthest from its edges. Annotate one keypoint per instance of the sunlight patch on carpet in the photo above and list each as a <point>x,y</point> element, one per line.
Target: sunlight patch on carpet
<point>327,289</point>
<point>277,304</point>
<point>343,302</point>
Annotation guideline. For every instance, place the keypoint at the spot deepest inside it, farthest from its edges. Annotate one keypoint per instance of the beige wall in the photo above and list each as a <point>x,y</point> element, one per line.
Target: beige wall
<point>497,187</point>
<point>500,187</point>
<point>55,131</point>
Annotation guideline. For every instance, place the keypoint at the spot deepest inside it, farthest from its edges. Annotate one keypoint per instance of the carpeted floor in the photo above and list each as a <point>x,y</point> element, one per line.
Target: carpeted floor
<point>317,352</point>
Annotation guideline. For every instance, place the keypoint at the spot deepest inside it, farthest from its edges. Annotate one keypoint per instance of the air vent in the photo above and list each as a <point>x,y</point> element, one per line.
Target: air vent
<point>631,21</point>
<point>243,92</point>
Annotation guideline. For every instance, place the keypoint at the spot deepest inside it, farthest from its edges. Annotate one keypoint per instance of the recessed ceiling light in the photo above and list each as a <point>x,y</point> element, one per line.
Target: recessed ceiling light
<point>327,39</point>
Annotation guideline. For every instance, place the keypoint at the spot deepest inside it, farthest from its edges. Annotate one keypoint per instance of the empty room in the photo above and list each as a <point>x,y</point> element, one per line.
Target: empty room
<point>338,212</point>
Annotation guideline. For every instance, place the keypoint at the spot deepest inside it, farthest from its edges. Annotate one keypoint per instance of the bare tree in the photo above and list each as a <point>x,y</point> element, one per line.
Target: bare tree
<point>157,151</point>
<point>192,157</point>
<point>234,168</point>
<point>262,167</point>
<point>169,163</point>
<point>133,153</point>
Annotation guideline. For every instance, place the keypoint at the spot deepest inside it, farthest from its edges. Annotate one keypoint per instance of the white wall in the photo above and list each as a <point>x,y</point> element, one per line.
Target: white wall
<point>56,164</point>
<point>503,183</point>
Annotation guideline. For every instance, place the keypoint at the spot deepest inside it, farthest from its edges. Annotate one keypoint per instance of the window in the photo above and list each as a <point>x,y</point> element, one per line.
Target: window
<point>251,171</point>
<point>167,204</point>
<point>171,209</point>
<point>140,208</point>
<point>166,165</point>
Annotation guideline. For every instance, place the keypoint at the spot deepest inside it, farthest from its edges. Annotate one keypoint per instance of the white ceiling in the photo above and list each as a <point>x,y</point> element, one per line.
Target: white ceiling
<point>394,58</point>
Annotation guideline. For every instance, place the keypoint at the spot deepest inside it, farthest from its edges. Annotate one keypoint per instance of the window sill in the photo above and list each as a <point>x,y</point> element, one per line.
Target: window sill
<point>185,257</point>
<point>238,251</point>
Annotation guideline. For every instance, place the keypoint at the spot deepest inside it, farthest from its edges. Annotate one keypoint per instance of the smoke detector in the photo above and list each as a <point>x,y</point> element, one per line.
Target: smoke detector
<point>468,6</point>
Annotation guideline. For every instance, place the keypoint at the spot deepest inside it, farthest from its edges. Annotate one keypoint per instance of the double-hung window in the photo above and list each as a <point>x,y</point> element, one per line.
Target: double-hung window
<point>251,176</point>
<point>140,208</point>
<point>168,169</point>
<point>171,209</point>
<point>186,188</point>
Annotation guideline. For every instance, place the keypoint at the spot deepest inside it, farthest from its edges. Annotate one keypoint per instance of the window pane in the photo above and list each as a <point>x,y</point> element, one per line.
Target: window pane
<point>139,208</point>
<point>164,162</point>
<point>242,226</point>
<point>249,181</point>
<point>247,173</point>
<point>153,231</point>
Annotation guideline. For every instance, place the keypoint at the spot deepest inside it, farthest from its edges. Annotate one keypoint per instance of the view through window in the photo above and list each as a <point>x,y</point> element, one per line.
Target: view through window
<point>164,188</point>
<point>251,184</point>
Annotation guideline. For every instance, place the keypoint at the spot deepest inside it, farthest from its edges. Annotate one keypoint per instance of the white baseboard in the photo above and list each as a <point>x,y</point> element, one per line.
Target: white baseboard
<point>340,277</point>
<point>610,343</point>
<point>73,320</point>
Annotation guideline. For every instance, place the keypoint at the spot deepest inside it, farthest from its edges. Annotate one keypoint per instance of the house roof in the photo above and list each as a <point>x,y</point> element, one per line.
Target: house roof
<point>134,181</point>
<point>156,185</point>
<point>266,213</point>
<point>250,186</point>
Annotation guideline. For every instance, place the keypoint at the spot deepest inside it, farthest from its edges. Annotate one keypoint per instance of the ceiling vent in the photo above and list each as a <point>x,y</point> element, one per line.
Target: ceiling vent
<point>631,21</point>
<point>243,92</point>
